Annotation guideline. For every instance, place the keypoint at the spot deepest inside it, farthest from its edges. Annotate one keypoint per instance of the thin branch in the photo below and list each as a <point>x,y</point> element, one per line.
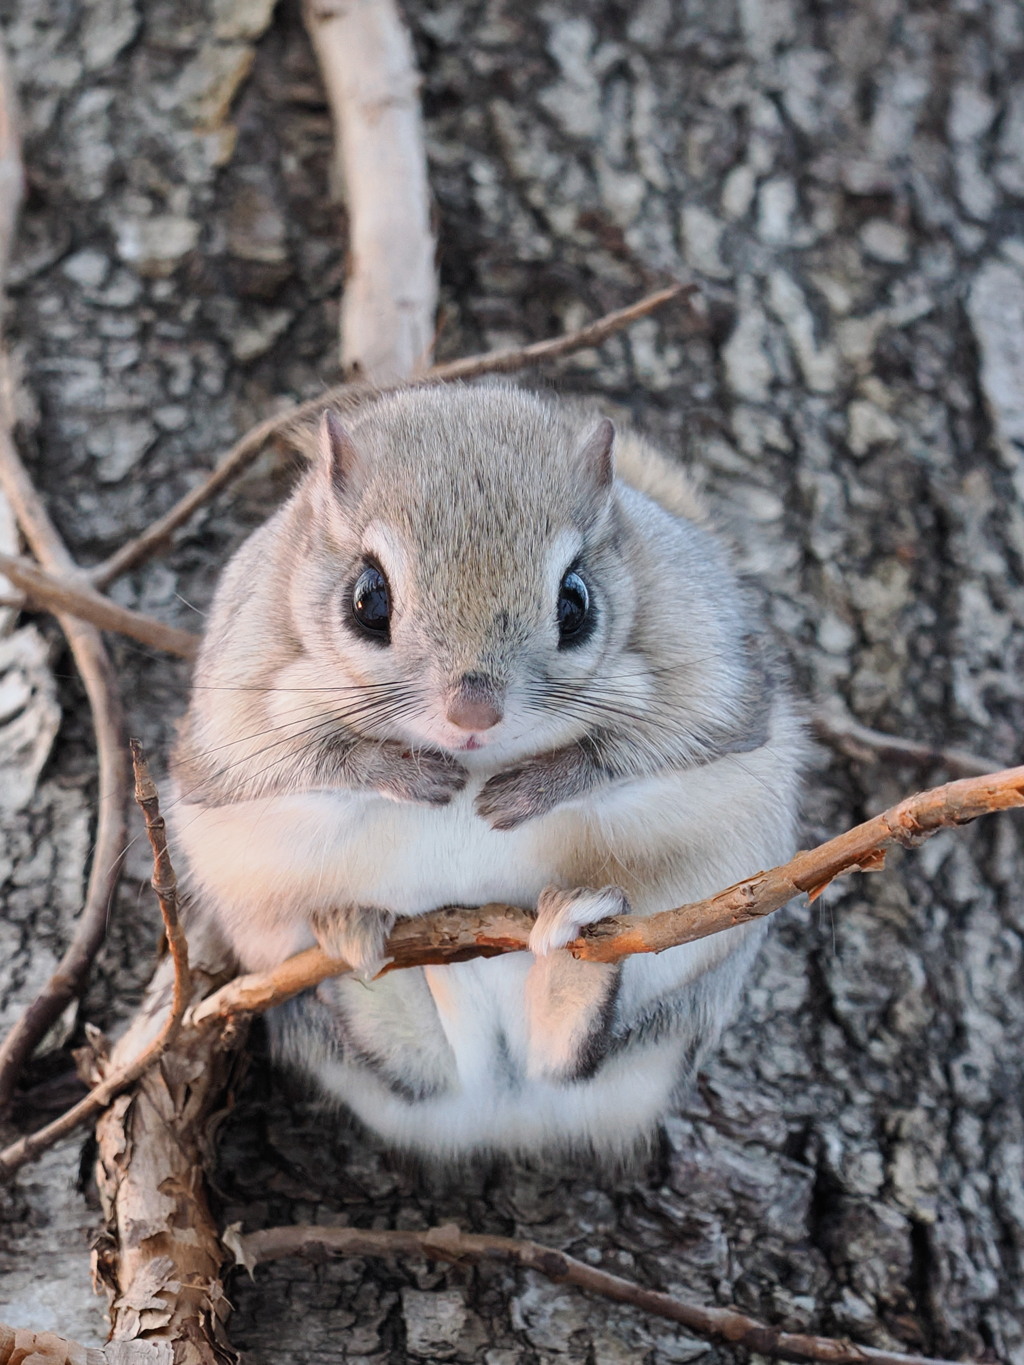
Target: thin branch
<point>97,674</point>
<point>864,745</point>
<point>166,887</point>
<point>455,935</point>
<point>59,594</point>
<point>164,882</point>
<point>389,300</point>
<point>726,1326</point>
<point>345,397</point>
<point>521,357</point>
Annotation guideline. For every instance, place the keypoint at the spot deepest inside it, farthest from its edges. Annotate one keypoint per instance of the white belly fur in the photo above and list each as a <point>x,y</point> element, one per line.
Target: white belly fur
<point>267,864</point>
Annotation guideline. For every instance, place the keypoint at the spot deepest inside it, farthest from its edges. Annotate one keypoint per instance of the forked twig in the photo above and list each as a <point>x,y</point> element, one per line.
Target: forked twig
<point>166,887</point>
<point>725,1326</point>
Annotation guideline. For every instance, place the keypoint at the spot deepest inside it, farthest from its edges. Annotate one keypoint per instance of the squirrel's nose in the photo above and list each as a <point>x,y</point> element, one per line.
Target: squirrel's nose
<point>475,703</point>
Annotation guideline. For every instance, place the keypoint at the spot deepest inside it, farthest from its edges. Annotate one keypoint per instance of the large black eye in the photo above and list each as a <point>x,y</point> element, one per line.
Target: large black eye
<point>371,604</point>
<point>573,610</point>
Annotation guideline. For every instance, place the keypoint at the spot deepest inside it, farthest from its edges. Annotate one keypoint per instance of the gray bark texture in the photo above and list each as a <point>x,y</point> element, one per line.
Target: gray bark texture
<point>845,178</point>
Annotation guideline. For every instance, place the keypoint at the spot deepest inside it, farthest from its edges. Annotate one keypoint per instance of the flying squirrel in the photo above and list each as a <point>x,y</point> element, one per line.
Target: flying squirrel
<point>486,651</point>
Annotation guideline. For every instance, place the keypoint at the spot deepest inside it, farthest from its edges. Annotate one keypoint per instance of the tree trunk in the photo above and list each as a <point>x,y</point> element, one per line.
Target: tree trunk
<point>846,182</point>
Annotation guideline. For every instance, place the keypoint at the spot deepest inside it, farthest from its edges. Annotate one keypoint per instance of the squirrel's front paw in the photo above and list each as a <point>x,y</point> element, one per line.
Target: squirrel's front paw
<point>355,934</point>
<point>429,776</point>
<point>518,794</point>
<point>561,914</point>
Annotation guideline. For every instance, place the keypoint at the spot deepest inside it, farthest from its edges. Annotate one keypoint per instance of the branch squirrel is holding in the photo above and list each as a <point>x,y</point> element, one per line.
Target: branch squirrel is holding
<point>486,652</point>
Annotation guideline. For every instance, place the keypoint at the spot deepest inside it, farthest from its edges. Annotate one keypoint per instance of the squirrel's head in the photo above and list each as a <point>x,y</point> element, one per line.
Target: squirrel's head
<point>464,570</point>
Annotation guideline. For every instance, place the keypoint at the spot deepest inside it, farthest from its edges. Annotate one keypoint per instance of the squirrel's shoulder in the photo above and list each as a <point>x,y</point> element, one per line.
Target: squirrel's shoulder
<point>650,471</point>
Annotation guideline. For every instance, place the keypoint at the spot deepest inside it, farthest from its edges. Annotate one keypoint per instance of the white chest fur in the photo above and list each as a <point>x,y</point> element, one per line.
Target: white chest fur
<point>269,864</point>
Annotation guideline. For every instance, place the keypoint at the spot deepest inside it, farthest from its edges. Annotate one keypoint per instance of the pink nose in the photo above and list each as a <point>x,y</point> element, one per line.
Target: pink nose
<point>474,704</point>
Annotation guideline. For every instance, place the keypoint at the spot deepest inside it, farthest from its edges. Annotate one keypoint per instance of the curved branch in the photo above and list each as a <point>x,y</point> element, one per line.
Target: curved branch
<point>97,674</point>
<point>859,742</point>
<point>456,935</point>
<point>726,1326</point>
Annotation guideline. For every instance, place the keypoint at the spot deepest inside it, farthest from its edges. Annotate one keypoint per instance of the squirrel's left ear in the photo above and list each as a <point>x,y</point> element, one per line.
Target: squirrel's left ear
<point>336,448</point>
<point>596,453</point>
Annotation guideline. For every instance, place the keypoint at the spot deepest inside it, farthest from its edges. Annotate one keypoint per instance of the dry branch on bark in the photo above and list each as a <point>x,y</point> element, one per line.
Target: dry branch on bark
<point>77,599</point>
<point>724,1326</point>
<point>859,742</point>
<point>459,934</point>
<point>117,1078</point>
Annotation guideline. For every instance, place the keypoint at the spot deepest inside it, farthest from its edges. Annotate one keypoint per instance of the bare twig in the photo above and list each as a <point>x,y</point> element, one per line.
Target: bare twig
<point>864,745</point>
<point>348,396</point>
<point>235,463</point>
<point>77,599</point>
<point>727,1326</point>
<point>521,357</point>
<point>165,885</point>
<point>97,675</point>
<point>390,296</point>
<point>456,935</point>
<point>164,882</point>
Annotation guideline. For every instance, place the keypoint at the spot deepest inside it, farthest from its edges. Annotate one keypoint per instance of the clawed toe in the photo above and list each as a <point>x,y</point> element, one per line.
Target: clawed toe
<point>561,914</point>
<point>356,936</point>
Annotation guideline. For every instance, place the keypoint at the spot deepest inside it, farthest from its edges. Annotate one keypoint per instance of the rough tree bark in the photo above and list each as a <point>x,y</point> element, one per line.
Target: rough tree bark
<point>847,183</point>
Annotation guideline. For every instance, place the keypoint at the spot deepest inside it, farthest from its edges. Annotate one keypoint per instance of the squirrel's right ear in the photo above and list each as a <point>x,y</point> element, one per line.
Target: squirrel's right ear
<point>596,453</point>
<point>336,448</point>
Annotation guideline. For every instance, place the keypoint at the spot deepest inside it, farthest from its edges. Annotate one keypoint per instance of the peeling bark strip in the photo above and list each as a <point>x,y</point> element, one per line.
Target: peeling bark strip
<point>19,1346</point>
<point>457,935</point>
<point>160,1259</point>
<point>726,1326</point>
<point>390,296</point>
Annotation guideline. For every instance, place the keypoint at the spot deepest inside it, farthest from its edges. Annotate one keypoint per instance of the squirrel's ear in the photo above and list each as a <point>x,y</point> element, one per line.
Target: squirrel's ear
<point>596,453</point>
<point>336,448</point>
